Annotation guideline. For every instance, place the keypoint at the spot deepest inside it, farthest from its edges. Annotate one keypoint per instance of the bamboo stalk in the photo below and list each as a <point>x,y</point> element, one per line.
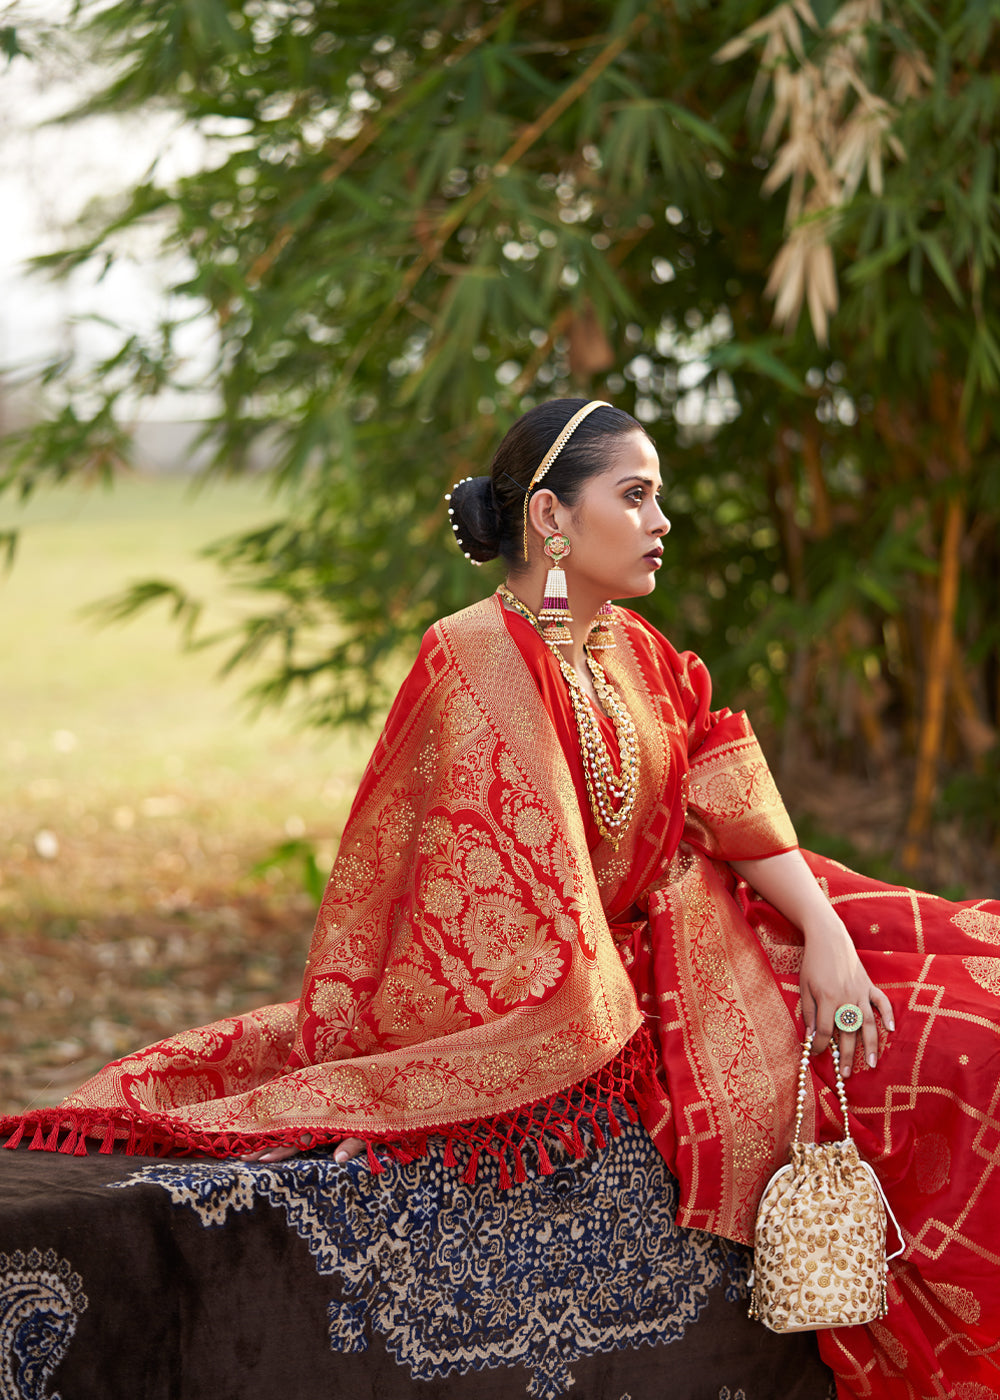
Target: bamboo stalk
<point>822,516</point>
<point>865,697</point>
<point>936,676</point>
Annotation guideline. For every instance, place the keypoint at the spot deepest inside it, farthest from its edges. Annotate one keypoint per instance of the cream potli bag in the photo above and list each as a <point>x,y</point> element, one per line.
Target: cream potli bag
<point>819,1244</point>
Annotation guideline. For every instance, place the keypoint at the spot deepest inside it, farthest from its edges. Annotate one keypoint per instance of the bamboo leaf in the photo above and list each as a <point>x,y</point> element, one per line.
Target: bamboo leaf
<point>938,260</point>
<point>758,357</point>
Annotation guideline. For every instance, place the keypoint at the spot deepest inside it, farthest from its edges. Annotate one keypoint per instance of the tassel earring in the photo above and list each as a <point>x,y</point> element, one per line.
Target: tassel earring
<point>555,611</point>
<point>601,637</point>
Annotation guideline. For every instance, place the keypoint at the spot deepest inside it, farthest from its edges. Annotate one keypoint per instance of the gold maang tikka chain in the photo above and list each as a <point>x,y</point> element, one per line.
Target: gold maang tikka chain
<point>604,786</point>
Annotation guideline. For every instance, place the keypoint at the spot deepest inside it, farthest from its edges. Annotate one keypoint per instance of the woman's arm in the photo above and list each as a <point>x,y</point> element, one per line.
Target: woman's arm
<point>832,973</point>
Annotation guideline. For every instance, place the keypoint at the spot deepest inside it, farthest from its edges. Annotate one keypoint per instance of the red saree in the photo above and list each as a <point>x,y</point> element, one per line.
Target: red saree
<point>485,966</point>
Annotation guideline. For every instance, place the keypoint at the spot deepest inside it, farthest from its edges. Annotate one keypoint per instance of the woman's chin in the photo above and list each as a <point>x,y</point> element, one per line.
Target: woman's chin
<point>637,588</point>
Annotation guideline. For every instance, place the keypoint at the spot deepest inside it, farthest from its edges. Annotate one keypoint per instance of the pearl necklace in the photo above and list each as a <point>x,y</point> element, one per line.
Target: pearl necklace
<point>605,787</point>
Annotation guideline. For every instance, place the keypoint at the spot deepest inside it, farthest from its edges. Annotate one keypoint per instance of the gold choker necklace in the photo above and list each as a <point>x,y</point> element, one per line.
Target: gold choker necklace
<point>605,787</point>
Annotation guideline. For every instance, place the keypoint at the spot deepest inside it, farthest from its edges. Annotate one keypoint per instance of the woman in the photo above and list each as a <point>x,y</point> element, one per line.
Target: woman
<point>567,887</point>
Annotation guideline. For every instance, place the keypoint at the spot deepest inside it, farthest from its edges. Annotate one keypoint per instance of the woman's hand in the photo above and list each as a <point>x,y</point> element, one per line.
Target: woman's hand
<point>346,1150</point>
<point>832,974</point>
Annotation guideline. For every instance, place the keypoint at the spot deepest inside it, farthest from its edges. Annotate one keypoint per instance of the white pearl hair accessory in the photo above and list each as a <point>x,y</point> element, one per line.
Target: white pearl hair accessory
<point>454,528</point>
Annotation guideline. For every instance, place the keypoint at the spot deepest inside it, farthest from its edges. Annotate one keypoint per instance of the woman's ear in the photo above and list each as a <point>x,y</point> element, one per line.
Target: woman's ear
<point>544,513</point>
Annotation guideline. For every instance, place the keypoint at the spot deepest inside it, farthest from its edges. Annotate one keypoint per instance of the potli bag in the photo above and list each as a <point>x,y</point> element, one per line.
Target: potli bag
<point>819,1244</point>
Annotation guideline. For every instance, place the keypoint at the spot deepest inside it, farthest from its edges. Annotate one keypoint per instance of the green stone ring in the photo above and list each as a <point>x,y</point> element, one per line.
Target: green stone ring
<point>847,1017</point>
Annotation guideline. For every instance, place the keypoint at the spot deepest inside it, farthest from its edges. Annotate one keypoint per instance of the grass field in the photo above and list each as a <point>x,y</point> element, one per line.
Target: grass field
<point>136,795</point>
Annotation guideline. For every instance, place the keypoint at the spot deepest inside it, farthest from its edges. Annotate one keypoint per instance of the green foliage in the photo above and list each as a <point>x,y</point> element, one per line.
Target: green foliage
<point>298,855</point>
<point>419,220</point>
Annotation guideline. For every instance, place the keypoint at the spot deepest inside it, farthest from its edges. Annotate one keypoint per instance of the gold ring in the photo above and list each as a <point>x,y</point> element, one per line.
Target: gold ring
<point>847,1017</point>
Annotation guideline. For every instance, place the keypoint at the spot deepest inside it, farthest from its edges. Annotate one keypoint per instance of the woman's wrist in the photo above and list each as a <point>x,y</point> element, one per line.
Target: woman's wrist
<point>823,925</point>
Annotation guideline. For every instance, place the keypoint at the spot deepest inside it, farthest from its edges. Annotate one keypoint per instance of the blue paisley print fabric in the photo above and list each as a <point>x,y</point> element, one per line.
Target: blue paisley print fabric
<point>458,1278</point>
<point>41,1299</point>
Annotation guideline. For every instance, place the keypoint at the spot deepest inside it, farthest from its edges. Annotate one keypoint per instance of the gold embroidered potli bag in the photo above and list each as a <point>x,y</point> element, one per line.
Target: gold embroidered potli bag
<point>819,1244</point>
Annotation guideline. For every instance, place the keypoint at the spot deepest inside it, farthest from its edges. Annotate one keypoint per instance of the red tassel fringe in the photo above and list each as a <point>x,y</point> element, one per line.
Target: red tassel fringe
<point>17,1135</point>
<point>630,1077</point>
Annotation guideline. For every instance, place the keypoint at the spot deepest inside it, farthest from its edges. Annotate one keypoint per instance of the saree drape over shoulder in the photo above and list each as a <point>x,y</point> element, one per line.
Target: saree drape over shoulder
<point>485,966</point>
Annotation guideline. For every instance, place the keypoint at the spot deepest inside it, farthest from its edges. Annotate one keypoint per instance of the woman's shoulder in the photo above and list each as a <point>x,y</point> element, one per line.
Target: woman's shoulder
<point>473,625</point>
<point>686,668</point>
<point>643,634</point>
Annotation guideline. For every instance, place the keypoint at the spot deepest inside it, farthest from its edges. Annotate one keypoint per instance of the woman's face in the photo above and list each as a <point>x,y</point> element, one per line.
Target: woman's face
<point>616,527</point>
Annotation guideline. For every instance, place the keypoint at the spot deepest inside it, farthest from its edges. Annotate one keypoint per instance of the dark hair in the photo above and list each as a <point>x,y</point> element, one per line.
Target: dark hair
<point>487,512</point>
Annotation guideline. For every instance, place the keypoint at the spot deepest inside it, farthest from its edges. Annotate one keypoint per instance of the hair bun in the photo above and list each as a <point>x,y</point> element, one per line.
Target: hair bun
<point>474,518</point>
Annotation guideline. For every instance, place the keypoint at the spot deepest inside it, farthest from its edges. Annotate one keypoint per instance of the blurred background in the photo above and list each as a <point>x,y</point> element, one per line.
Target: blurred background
<point>275,273</point>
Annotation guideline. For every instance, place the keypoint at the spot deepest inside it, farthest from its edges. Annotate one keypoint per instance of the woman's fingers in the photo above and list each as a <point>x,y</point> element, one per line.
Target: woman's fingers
<point>346,1151</point>
<point>279,1154</point>
<point>349,1148</point>
<point>274,1154</point>
<point>883,1006</point>
<point>820,1015</point>
<point>874,1000</point>
<point>846,1041</point>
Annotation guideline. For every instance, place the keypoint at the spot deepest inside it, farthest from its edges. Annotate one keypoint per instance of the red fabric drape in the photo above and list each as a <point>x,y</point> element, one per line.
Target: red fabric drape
<point>482,965</point>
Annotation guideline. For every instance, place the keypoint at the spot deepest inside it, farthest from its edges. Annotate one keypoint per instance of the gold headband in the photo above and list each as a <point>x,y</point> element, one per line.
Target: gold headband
<point>553,453</point>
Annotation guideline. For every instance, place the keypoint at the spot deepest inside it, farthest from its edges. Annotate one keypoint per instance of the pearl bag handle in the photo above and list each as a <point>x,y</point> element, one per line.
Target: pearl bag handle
<point>800,1103</point>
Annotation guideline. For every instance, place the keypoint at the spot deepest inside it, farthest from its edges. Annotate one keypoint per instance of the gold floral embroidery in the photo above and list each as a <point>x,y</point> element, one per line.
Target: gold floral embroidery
<point>470,776</point>
<point>960,1301</point>
<point>985,972</point>
<point>355,872</point>
<point>338,945</point>
<point>410,1005</point>
<point>932,1162</point>
<point>461,715</point>
<point>736,791</point>
<point>435,833</point>
<point>483,868</point>
<point>532,827</point>
<point>495,924</point>
<point>331,999</point>
<point>443,897</point>
<point>978,924</point>
<point>893,1348</point>
<point>396,822</point>
<point>515,955</point>
<point>735,809</point>
<point>972,1390</point>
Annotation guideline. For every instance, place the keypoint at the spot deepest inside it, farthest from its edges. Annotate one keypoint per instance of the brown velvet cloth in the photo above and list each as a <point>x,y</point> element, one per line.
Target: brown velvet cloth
<point>219,1281</point>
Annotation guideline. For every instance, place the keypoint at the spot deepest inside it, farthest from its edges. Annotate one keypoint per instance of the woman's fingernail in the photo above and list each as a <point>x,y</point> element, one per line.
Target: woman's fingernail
<point>341,1157</point>
<point>890,1025</point>
<point>872,1060</point>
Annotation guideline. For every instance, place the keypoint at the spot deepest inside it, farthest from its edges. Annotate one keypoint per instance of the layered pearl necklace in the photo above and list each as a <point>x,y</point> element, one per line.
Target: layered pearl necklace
<point>605,787</point>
